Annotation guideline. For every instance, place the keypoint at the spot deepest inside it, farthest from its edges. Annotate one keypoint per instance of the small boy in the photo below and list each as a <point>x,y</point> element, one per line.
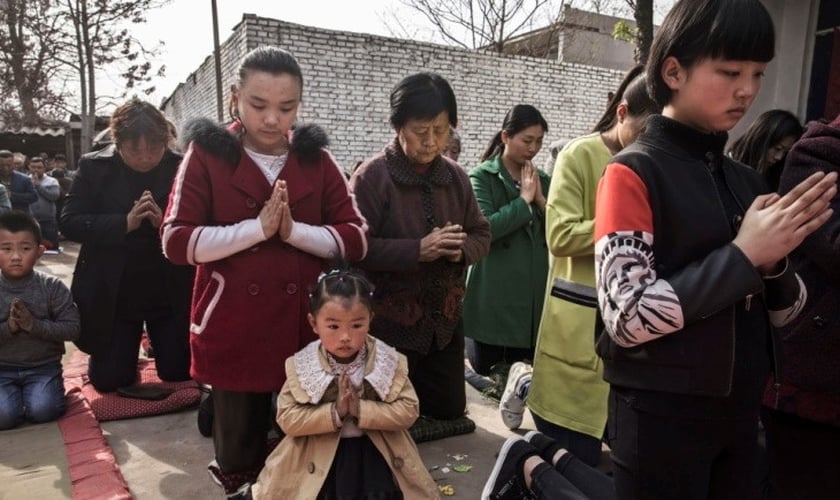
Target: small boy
<point>37,315</point>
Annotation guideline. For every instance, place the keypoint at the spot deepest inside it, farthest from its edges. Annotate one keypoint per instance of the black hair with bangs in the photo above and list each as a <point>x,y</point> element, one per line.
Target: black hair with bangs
<point>737,30</point>
<point>422,96</point>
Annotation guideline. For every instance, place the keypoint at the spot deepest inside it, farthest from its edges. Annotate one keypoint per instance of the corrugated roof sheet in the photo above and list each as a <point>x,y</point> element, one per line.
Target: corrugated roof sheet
<point>42,131</point>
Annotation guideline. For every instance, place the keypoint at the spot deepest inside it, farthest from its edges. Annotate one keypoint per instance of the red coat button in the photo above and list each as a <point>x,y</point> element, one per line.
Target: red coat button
<point>253,289</point>
<point>251,203</point>
<point>291,289</point>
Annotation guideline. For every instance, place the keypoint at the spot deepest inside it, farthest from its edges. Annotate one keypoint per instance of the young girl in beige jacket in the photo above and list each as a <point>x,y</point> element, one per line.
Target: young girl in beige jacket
<point>346,408</point>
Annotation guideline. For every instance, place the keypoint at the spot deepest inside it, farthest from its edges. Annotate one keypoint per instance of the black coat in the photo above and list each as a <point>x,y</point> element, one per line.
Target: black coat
<point>94,215</point>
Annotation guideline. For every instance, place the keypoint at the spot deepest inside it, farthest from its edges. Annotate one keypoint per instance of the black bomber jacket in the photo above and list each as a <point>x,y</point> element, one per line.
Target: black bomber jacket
<point>694,253</point>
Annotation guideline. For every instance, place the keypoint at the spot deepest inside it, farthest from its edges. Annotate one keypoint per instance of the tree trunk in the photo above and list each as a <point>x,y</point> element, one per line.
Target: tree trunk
<point>86,71</point>
<point>15,16</point>
<point>91,111</point>
<point>644,26</point>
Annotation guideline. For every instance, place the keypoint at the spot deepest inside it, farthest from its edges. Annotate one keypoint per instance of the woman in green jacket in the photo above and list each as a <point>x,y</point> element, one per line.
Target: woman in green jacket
<point>504,290</point>
<point>568,396</point>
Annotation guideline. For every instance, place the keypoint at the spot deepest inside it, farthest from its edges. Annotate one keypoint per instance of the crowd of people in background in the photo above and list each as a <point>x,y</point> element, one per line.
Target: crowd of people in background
<point>36,185</point>
<point>652,290</point>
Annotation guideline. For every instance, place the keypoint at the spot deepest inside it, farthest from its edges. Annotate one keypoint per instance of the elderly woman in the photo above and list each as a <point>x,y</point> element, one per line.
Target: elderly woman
<point>122,280</point>
<point>425,229</point>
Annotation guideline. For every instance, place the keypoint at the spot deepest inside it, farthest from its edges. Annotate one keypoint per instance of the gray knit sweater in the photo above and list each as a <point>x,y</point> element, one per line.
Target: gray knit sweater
<point>55,320</point>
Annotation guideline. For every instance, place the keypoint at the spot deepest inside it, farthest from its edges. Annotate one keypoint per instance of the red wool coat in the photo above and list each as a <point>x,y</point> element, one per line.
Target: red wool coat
<point>249,309</point>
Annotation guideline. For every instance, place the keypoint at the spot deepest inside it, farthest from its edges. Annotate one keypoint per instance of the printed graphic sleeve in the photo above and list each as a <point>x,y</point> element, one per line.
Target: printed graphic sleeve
<point>636,306</point>
<point>785,295</point>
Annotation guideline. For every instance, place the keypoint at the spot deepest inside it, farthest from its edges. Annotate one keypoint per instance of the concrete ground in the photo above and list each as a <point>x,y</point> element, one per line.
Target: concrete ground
<point>166,457</point>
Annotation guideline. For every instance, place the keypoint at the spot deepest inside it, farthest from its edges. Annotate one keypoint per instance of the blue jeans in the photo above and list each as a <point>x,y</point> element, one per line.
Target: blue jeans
<point>35,394</point>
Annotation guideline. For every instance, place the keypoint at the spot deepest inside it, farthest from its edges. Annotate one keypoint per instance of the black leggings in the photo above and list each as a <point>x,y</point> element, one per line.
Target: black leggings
<point>585,447</point>
<point>677,458</point>
<point>240,428</point>
<point>571,479</point>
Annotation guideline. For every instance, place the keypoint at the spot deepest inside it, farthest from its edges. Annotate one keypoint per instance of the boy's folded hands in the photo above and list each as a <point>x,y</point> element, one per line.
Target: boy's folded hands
<point>20,319</point>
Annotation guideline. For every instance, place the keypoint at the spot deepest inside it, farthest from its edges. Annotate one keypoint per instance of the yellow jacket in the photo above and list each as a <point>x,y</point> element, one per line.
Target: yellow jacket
<point>568,388</point>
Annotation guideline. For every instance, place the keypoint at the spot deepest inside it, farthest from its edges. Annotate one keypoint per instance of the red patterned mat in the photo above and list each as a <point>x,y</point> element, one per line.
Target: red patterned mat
<point>94,473</point>
<point>111,406</point>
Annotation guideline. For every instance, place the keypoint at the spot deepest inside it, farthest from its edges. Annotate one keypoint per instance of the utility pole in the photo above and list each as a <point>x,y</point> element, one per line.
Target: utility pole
<point>217,56</point>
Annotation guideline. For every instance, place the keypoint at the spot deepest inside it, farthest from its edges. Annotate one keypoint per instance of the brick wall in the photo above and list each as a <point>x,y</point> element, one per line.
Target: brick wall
<point>348,78</point>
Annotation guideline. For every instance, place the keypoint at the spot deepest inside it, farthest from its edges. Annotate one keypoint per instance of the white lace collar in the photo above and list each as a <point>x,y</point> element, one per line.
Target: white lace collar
<point>313,371</point>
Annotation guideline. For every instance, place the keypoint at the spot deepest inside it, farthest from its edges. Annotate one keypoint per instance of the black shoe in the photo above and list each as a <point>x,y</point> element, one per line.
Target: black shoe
<point>505,481</point>
<point>205,412</point>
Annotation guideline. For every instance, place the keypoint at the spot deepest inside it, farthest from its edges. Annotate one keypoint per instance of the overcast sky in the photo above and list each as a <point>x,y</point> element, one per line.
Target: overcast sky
<point>186,27</point>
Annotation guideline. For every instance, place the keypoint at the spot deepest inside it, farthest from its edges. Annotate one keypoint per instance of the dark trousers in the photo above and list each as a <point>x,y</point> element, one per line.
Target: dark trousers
<point>117,366</point>
<point>49,230</point>
<point>583,446</point>
<point>438,379</point>
<point>676,458</point>
<point>804,457</point>
<point>240,430</point>
<point>571,479</point>
<point>483,356</point>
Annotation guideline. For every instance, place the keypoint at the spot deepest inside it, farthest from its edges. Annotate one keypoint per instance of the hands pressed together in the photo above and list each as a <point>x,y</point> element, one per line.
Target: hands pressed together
<point>276,216</point>
<point>348,398</point>
<point>447,241</point>
<point>20,319</point>
<point>775,225</point>
<point>144,208</point>
<point>530,186</point>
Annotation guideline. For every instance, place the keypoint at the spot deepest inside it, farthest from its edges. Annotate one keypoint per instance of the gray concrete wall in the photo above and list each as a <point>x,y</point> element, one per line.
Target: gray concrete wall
<point>787,77</point>
<point>348,78</point>
<point>588,39</point>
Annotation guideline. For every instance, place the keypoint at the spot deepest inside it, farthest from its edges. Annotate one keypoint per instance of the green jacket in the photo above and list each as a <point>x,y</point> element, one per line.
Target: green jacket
<point>568,387</point>
<point>505,290</point>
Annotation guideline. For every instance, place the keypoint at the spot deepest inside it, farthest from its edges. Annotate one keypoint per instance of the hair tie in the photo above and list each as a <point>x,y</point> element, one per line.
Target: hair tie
<point>332,272</point>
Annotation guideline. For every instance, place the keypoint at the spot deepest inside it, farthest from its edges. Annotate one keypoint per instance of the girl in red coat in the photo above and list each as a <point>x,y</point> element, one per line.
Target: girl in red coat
<point>258,209</point>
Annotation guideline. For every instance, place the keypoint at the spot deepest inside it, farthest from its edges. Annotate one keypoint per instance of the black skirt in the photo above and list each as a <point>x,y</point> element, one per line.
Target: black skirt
<point>359,472</point>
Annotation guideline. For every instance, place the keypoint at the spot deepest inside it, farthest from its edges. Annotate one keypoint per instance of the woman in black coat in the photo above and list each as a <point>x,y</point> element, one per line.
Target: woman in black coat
<point>122,280</point>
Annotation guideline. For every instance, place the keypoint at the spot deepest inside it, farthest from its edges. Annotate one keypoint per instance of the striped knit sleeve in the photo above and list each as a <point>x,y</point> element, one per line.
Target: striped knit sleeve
<point>636,306</point>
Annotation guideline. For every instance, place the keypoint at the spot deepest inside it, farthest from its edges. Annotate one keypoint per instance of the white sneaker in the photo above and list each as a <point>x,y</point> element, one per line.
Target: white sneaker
<point>512,404</point>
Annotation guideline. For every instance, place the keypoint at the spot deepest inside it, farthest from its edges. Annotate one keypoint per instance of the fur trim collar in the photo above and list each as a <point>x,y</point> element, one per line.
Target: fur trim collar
<point>306,140</point>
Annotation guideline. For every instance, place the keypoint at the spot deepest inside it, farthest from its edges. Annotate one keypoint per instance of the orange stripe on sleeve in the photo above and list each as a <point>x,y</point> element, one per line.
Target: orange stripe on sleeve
<point>622,202</point>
